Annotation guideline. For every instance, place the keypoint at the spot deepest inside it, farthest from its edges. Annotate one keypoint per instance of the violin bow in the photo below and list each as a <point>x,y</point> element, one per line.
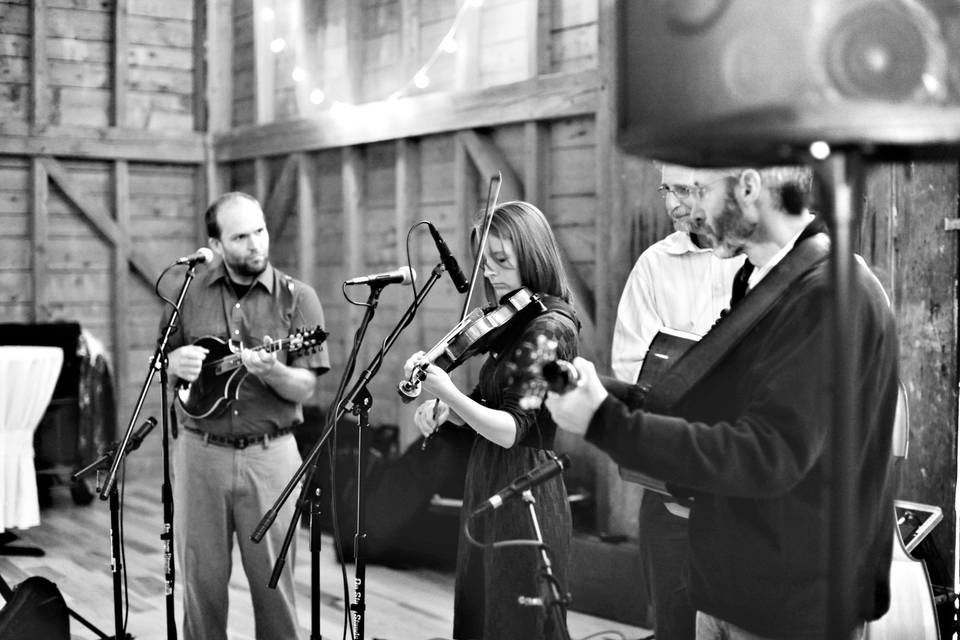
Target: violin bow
<point>493,193</point>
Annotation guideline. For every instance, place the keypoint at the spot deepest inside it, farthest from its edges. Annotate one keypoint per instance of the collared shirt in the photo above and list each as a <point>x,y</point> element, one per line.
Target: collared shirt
<point>277,305</point>
<point>759,273</point>
<point>673,284</point>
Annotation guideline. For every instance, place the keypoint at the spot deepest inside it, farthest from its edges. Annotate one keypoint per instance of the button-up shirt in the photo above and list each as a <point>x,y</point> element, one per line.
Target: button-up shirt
<point>673,284</point>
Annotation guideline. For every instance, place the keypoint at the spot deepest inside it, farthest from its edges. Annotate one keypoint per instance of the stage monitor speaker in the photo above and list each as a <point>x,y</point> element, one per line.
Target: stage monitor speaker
<point>723,82</point>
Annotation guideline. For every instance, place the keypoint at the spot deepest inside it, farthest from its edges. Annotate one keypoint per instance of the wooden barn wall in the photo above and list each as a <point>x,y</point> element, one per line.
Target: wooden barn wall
<point>101,168</point>
<point>369,187</point>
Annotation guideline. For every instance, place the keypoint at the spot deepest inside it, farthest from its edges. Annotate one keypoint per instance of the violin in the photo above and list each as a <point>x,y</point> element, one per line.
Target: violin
<point>473,335</point>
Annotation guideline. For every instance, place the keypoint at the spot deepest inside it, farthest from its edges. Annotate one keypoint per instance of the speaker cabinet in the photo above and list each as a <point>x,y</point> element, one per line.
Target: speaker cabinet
<point>753,81</point>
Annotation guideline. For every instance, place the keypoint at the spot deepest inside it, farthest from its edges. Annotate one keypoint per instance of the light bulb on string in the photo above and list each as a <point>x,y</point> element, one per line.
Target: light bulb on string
<point>421,80</point>
<point>267,14</point>
<point>449,45</point>
<point>277,45</point>
<point>317,96</point>
<point>299,74</point>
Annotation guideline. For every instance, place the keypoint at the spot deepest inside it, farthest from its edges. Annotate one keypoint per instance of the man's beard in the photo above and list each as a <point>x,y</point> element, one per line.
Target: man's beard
<point>245,268</point>
<point>730,230</point>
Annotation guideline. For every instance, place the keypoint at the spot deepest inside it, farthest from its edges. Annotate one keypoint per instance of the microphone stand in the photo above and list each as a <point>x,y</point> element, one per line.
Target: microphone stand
<point>116,554</point>
<point>357,401</point>
<point>158,362</point>
<point>557,605</point>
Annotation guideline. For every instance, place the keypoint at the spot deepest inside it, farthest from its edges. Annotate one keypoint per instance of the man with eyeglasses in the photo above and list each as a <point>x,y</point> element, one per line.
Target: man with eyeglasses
<point>747,432</point>
<point>679,284</point>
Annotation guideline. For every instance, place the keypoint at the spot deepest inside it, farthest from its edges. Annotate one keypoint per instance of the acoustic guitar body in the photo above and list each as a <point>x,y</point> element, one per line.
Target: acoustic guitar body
<point>210,394</point>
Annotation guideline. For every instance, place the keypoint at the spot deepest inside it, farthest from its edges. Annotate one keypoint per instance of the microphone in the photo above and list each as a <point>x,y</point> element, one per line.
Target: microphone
<point>199,256</point>
<point>403,275</point>
<point>449,262</point>
<point>132,445</point>
<point>538,475</point>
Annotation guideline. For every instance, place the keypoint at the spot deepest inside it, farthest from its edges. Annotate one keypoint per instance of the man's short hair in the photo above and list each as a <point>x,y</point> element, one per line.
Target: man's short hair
<point>210,215</point>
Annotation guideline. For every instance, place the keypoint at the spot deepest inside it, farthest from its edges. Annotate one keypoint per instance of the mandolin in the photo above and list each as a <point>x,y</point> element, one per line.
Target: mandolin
<point>222,372</point>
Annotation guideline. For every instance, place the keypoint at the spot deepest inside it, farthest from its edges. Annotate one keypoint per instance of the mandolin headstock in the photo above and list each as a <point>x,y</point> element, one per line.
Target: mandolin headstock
<point>306,339</point>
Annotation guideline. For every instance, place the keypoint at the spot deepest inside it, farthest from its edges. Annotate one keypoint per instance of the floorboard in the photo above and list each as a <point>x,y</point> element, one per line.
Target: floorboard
<point>401,604</point>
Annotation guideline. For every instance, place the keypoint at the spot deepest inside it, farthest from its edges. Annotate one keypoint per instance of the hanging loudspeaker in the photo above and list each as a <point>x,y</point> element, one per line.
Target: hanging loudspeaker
<point>753,81</point>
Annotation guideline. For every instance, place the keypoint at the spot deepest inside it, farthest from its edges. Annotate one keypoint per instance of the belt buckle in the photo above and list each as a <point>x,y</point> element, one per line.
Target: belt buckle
<point>242,442</point>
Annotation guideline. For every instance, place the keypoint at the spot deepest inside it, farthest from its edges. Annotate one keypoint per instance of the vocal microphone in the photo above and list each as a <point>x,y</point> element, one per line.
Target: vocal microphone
<point>449,262</point>
<point>403,275</point>
<point>538,475</point>
<point>199,256</point>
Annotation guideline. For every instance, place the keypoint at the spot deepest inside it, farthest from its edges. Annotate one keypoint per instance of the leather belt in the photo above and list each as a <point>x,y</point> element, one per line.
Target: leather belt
<point>237,440</point>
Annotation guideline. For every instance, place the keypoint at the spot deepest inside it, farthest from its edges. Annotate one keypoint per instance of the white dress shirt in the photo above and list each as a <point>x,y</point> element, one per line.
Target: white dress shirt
<point>673,284</point>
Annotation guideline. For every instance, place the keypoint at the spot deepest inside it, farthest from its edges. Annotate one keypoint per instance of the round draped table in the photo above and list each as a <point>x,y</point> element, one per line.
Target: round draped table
<point>28,376</point>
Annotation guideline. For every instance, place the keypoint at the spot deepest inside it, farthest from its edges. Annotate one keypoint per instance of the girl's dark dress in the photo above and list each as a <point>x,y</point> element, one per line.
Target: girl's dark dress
<point>489,581</point>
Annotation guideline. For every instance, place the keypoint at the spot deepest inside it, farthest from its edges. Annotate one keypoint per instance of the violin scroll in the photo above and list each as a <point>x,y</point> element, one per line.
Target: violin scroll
<point>410,389</point>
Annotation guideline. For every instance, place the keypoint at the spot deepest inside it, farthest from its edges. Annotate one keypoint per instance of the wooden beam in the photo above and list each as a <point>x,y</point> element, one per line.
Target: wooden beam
<point>352,89</point>
<point>120,65</point>
<point>39,232</point>
<point>489,160</point>
<point>263,85</point>
<point>410,36</point>
<point>279,202</point>
<point>550,97</point>
<point>39,82</point>
<point>306,216</point>
<point>261,176</point>
<point>121,279</point>
<point>100,220</point>
<point>102,144</point>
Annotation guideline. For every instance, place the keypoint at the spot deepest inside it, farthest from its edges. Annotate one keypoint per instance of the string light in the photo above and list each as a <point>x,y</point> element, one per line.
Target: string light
<point>420,80</point>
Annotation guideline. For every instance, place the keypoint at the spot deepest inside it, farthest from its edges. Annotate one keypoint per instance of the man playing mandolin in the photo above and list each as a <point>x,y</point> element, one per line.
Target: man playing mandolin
<point>231,463</point>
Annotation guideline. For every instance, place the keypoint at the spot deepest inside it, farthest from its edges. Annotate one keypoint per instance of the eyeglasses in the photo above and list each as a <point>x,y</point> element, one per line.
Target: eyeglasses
<point>688,191</point>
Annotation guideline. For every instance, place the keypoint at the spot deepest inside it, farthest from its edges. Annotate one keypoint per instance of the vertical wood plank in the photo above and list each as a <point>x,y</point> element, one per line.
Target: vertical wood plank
<point>410,36</point>
<point>120,280</point>
<point>261,177</point>
<point>200,64</point>
<point>467,67</point>
<point>263,86</point>
<point>536,164</point>
<point>218,76</point>
<point>355,61</point>
<point>39,232</point>
<point>121,44</point>
<point>306,216</point>
<point>39,81</point>
<point>408,169</point>
<point>539,24</point>
<point>618,502</point>
<point>352,176</point>
<point>465,193</point>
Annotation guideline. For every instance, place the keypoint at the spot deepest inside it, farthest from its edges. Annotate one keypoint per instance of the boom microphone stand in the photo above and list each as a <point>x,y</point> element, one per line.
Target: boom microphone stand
<point>358,401</point>
<point>116,557</point>
<point>158,362</point>
<point>557,605</point>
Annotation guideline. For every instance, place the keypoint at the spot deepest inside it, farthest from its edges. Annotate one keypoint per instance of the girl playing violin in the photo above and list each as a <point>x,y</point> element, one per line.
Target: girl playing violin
<point>521,251</point>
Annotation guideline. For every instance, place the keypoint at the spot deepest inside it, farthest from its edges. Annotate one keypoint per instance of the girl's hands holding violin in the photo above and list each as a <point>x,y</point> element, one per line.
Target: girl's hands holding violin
<point>435,380</point>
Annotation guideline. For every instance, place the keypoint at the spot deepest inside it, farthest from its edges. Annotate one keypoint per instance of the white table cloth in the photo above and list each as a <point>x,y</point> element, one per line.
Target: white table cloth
<point>28,376</point>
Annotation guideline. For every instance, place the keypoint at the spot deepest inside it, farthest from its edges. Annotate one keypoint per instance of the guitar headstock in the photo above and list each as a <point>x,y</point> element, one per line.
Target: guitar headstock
<point>306,339</point>
<point>536,368</point>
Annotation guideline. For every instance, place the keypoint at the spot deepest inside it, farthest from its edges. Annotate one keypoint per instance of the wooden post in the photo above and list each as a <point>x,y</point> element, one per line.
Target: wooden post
<point>467,73</point>
<point>219,77</point>
<point>408,204</point>
<point>39,232</point>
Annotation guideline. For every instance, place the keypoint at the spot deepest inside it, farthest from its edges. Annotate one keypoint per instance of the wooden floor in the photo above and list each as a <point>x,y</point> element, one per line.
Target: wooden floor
<point>401,604</point>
